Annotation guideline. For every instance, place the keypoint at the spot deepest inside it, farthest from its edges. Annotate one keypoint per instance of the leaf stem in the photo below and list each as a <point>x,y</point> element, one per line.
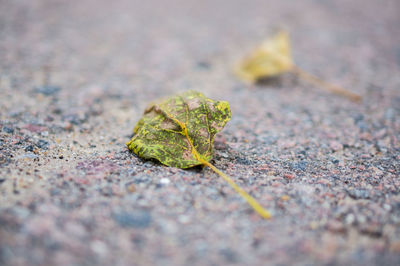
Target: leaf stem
<point>253,203</point>
<point>325,85</point>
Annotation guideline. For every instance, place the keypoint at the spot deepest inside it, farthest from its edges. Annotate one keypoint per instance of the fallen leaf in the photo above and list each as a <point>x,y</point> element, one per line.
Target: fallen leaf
<point>179,131</point>
<point>273,57</point>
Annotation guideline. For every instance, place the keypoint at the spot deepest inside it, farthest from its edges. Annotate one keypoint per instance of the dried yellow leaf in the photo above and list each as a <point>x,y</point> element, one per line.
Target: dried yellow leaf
<point>272,58</point>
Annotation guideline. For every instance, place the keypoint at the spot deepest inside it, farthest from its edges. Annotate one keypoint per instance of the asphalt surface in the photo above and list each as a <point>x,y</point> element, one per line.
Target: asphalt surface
<point>75,77</point>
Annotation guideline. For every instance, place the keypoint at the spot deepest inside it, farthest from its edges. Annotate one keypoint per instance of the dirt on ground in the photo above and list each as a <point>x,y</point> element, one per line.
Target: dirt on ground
<point>75,77</point>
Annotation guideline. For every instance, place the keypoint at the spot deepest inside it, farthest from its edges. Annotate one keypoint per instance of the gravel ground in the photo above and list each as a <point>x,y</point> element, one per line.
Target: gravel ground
<point>76,76</point>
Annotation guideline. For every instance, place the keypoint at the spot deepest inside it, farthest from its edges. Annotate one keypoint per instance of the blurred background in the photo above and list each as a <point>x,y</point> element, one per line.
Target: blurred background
<point>186,44</point>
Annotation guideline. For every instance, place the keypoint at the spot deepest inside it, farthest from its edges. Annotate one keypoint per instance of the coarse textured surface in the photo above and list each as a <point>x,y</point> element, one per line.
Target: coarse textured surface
<point>77,75</point>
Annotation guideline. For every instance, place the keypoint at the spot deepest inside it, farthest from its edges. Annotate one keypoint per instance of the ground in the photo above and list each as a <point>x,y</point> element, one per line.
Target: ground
<point>75,77</point>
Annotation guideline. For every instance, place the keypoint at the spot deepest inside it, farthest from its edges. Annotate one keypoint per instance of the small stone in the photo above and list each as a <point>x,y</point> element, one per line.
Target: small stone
<point>358,193</point>
<point>323,181</point>
<point>387,207</point>
<point>374,230</point>
<point>28,155</point>
<point>350,218</point>
<point>29,148</point>
<point>229,255</point>
<point>289,176</point>
<point>68,126</point>
<point>165,181</point>
<point>299,166</point>
<point>75,118</point>
<point>336,227</point>
<point>131,187</point>
<point>335,146</point>
<point>184,219</point>
<point>361,219</point>
<point>361,167</point>
<point>203,65</point>
<point>42,144</point>
<point>285,198</point>
<point>47,90</point>
<point>34,128</point>
<point>314,225</point>
<point>99,247</point>
<point>135,219</point>
<point>224,155</point>
<point>366,136</point>
<point>8,130</point>
<point>243,161</point>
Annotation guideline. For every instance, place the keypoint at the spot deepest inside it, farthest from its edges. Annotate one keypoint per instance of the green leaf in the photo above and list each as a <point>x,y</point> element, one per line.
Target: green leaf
<point>179,131</point>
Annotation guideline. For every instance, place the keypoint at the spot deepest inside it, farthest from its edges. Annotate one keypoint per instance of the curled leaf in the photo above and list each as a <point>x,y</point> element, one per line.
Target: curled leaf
<point>179,131</point>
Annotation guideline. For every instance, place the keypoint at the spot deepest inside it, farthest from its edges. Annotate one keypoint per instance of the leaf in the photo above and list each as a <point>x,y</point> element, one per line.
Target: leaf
<point>273,57</point>
<point>179,131</point>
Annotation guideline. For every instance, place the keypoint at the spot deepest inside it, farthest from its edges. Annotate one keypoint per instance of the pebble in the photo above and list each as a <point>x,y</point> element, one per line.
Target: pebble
<point>335,146</point>
<point>34,128</point>
<point>29,148</point>
<point>203,65</point>
<point>350,218</point>
<point>358,193</point>
<point>8,130</point>
<point>229,255</point>
<point>99,247</point>
<point>285,198</point>
<point>165,181</point>
<point>134,219</point>
<point>289,176</point>
<point>47,90</point>
<point>336,227</point>
<point>184,219</point>
<point>374,230</point>
<point>300,166</point>
<point>42,144</point>
<point>131,187</point>
<point>28,156</point>
<point>75,118</point>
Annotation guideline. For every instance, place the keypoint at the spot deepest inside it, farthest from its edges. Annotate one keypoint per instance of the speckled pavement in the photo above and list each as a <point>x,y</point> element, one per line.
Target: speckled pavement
<point>75,77</point>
